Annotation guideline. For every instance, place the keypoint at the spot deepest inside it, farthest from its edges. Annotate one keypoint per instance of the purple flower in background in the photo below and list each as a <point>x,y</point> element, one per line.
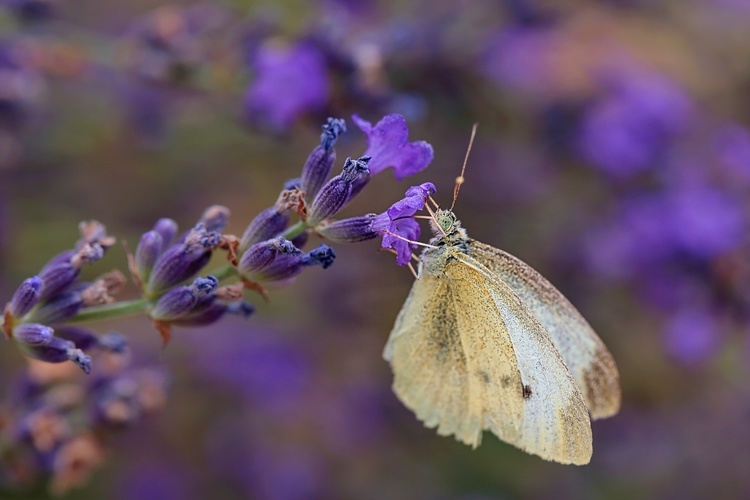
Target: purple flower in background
<point>733,150</point>
<point>626,131</point>
<point>705,221</point>
<point>692,334</point>
<point>388,145</point>
<point>270,371</point>
<point>289,81</point>
<point>521,59</point>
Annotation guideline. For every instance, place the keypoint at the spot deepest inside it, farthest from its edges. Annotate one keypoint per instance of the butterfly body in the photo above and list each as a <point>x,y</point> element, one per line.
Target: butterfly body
<point>483,342</point>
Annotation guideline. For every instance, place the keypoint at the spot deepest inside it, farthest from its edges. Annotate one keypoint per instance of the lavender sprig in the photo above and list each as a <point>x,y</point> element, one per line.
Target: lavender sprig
<point>45,312</point>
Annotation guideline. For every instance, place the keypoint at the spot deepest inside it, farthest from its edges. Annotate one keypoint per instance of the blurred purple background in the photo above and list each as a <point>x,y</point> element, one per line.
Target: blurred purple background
<point>613,154</point>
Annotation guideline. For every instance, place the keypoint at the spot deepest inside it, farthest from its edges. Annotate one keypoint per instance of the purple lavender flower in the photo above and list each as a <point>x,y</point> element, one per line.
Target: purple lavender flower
<point>26,296</point>
<point>85,339</point>
<point>146,253</point>
<point>59,308</point>
<point>353,229</point>
<point>522,59</point>
<point>692,334</point>
<point>273,220</point>
<point>705,221</point>
<point>628,130</point>
<point>319,163</point>
<point>338,191</point>
<point>399,222</point>
<point>261,255</point>
<point>289,81</point>
<point>182,260</point>
<point>37,341</point>
<point>733,150</point>
<point>287,266</point>
<point>180,301</point>
<point>388,145</point>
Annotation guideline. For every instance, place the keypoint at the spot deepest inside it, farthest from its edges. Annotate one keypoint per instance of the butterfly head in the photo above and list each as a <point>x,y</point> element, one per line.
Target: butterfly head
<point>445,223</point>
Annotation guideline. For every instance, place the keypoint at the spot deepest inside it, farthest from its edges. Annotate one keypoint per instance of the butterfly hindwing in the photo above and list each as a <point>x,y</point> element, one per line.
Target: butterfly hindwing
<point>433,375</point>
<point>584,353</point>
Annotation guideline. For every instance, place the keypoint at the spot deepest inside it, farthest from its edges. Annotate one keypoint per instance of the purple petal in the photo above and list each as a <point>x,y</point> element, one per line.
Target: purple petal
<point>397,220</point>
<point>388,144</point>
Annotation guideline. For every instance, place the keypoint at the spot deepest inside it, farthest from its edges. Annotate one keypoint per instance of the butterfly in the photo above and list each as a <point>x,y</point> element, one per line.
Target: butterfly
<point>485,342</point>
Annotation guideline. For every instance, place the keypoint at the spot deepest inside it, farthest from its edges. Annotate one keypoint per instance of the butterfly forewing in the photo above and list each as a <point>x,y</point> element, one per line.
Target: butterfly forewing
<point>584,354</point>
<point>554,421</point>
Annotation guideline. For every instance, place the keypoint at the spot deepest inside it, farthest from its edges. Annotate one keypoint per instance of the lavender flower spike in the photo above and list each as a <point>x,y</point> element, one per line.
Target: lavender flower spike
<point>388,144</point>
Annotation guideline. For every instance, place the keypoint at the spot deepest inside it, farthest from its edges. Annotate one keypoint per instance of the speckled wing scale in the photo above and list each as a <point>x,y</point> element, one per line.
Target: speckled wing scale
<point>482,343</point>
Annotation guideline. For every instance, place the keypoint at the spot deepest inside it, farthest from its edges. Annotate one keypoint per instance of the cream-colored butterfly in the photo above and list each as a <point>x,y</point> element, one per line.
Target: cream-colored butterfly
<point>484,342</point>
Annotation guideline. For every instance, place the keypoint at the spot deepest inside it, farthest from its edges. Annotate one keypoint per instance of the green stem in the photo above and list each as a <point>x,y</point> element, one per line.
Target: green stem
<point>223,272</point>
<point>108,311</point>
<point>294,231</point>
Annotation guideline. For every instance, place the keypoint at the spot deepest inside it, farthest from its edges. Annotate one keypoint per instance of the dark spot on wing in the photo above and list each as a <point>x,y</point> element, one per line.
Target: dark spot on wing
<point>505,381</point>
<point>526,391</point>
<point>484,377</point>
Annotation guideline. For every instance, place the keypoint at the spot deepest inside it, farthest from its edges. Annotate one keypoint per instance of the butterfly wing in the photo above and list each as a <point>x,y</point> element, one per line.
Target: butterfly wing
<point>437,377</point>
<point>468,356</point>
<point>585,355</point>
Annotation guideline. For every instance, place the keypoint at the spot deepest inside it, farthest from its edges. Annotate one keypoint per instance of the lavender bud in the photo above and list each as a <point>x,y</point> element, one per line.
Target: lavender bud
<point>337,192</point>
<point>32,334</point>
<point>55,350</point>
<point>180,301</point>
<point>215,218</point>
<point>210,311</point>
<point>62,257</point>
<point>318,166</point>
<point>322,256</point>
<point>350,230</point>
<point>82,338</point>
<point>167,229</point>
<point>266,224</point>
<point>26,297</point>
<point>359,183</point>
<point>241,308</point>
<point>286,267</point>
<point>57,278</point>
<point>147,252</point>
<point>60,308</point>
<point>261,255</point>
<point>83,361</point>
<point>181,261</point>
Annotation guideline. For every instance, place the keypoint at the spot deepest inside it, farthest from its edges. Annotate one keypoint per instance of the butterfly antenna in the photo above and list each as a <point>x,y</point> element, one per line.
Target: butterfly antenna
<point>460,178</point>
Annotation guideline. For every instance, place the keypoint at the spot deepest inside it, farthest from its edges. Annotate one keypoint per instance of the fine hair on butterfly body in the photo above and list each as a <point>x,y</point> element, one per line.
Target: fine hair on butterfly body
<point>484,342</point>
